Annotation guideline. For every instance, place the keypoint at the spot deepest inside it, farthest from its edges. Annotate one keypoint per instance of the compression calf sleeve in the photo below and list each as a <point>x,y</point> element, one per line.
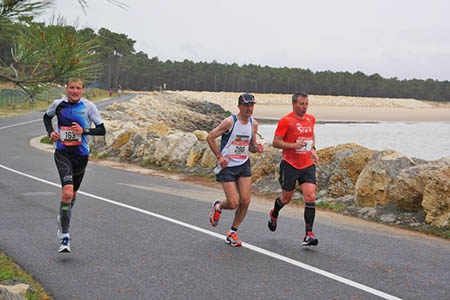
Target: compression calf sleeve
<point>309,214</point>
<point>277,207</point>
<point>73,201</point>
<point>64,212</point>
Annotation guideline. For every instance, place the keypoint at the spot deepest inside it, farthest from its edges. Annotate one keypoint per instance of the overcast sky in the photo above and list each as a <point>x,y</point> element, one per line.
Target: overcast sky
<point>394,38</point>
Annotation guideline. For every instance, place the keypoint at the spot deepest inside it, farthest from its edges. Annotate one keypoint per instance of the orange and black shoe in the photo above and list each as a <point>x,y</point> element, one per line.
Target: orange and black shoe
<point>272,222</point>
<point>233,239</point>
<point>214,215</point>
<point>310,239</point>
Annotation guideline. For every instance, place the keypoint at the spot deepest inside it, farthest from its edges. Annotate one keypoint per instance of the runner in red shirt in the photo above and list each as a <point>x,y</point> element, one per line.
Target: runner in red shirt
<point>295,135</point>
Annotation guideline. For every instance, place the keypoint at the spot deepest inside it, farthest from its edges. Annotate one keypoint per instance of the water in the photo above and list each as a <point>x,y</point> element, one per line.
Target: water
<point>426,140</point>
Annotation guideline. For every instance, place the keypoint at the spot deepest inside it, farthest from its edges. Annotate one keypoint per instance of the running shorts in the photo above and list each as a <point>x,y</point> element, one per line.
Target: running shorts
<point>289,175</point>
<point>70,167</point>
<point>231,174</point>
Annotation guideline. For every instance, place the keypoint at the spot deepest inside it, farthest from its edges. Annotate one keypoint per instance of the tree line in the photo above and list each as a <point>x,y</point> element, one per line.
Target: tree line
<point>113,62</point>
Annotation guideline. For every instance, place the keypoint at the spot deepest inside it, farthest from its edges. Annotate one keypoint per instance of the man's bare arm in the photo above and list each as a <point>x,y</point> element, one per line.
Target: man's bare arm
<point>223,127</point>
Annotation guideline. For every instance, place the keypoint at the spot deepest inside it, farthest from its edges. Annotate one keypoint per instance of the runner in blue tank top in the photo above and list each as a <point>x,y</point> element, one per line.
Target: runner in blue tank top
<point>71,139</point>
<point>233,170</point>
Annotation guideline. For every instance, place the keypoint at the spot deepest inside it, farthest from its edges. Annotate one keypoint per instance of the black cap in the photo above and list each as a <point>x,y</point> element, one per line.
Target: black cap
<point>246,98</point>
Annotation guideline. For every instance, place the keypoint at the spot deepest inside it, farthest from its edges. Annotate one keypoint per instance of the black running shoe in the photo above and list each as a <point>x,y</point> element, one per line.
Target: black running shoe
<point>272,222</point>
<point>310,239</point>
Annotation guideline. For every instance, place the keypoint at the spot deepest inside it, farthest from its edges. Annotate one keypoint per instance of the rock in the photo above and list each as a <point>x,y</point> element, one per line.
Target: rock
<point>195,154</point>
<point>339,168</point>
<point>268,184</point>
<point>169,108</point>
<point>263,165</point>
<point>13,290</point>
<point>174,148</point>
<point>389,218</point>
<point>159,128</point>
<point>209,159</point>
<point>201,134</point>
<point>372,186</point>
<point>126,152</point>
<point>436,199</point>
<point>408,188</point>
<point>123,138</point>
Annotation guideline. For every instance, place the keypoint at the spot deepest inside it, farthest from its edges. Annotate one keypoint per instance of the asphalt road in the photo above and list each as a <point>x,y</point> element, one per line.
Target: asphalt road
<point>138,236</point>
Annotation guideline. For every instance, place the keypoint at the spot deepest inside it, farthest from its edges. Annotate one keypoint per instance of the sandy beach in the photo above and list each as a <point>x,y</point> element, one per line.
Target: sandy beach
<point>335,108</point>
<point>358,113</point>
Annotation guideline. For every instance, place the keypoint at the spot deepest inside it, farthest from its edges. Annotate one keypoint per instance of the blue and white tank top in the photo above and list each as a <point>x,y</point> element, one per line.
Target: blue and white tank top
<point>235,142</point>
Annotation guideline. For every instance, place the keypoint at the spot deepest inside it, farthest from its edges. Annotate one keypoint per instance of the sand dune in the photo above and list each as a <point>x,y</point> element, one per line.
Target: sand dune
<point>335,108</point>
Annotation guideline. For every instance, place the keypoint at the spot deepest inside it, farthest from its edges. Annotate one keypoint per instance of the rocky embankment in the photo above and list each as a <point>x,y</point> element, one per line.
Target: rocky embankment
<point>169,130</point>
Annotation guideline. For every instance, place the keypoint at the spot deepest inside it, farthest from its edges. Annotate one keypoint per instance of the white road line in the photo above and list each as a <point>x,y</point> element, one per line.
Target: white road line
<point>219,236</point>
<point>18,124</point>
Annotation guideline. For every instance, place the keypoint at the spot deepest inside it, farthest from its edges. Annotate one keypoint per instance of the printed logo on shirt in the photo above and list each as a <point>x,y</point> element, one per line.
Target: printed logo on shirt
<point>303,129</point>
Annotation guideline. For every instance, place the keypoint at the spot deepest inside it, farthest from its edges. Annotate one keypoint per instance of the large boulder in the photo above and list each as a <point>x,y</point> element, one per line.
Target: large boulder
<point>372,186</point>
<point>407,188</point>
<point>174,148</point>
<point>339,168</point>
<point>436,199</point>
<point>264,164</point>
<point>195,154</point>
<point>209,159</point>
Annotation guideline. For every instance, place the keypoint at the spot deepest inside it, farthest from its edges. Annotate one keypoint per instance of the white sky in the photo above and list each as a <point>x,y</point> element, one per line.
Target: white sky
<point>394,38</point>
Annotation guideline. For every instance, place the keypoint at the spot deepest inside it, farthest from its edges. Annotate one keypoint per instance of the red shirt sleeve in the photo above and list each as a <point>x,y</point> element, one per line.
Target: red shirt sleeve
<point>282,127</point>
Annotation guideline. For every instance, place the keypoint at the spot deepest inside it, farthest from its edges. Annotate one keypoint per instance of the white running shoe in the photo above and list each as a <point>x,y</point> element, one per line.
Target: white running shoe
<point>65,245</point>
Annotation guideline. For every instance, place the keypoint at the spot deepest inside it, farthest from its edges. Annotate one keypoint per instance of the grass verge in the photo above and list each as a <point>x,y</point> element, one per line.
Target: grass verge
<point>9,270</point>
<point>24,108</point>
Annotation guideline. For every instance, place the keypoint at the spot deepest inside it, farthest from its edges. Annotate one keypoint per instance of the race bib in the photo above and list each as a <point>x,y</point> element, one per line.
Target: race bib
<point>307,147</point>
<point>239,147</point>
<point>68,137</point>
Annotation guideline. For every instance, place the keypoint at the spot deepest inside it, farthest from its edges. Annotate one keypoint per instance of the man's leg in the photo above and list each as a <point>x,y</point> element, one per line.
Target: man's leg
<point>309,196</point>
<point>231,196</point>
<point>244,188</point>
<point>231,202</point>
<point>65,207</point>
<point>74,198</point>
<point>64,166</point>
<point>79,168</point>
<point>287,179</point>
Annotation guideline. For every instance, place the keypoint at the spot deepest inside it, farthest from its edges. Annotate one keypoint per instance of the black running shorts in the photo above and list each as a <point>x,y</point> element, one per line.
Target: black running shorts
<point>289,175</point>
<point>231,174</point>
<point>70,167</point>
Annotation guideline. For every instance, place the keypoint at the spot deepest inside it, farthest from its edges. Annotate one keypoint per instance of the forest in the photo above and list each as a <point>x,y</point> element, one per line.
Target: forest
<point>115,63</point>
